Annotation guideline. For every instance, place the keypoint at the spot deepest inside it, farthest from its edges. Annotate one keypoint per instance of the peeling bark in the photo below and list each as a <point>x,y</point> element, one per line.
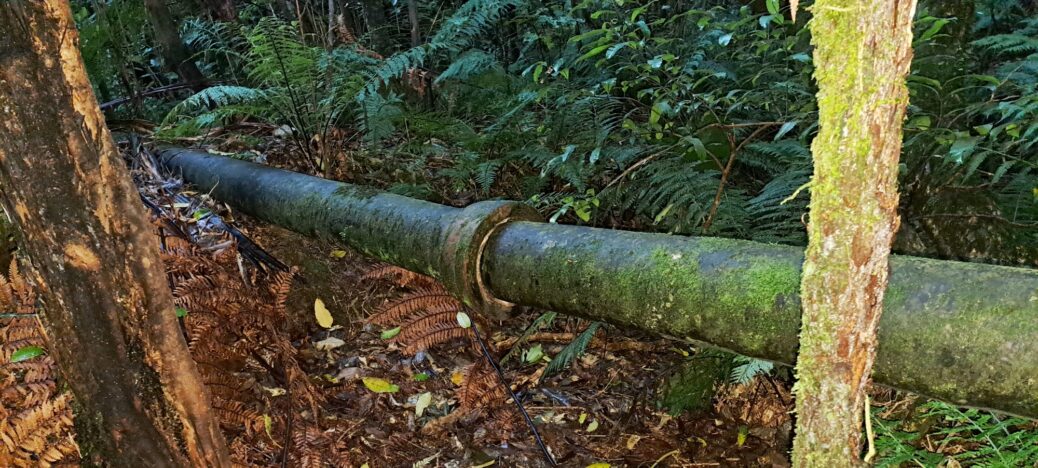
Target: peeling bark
<point>863,49</point>
<point>105,295</point>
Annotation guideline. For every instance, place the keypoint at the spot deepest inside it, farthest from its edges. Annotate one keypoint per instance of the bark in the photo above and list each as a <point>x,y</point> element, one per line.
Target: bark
<point>105,295</point>
<point>944,332</point>
<point>863,50</point>
<point>175,54</point>
<point>412,17</point>
<point>223,10</point>
<point>375,18</point>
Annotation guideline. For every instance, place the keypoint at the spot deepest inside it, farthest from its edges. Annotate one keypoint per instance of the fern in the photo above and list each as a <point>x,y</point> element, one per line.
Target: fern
<point>572,351</point>
<point>746,369</point>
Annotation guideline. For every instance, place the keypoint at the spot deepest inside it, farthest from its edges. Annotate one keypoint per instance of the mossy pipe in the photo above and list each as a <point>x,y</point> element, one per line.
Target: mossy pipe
<point>439,241</point>
<point>962,332</point>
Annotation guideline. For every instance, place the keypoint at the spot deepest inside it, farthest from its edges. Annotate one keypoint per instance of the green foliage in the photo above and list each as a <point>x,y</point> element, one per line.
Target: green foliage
<point>572,351</point>
<point>746,369</point>
<point>944,433</point>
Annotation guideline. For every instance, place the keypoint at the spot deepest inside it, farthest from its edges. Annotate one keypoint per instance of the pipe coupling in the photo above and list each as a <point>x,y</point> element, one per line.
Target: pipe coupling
<point>464,242</point>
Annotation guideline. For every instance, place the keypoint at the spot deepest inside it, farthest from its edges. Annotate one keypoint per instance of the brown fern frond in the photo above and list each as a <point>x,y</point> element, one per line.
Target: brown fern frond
<point>401,277</point>
<point>419,324</point>
<point>440,333</point>
<point>396,310</point>
<point>481,388</point>
<point>236,415</point>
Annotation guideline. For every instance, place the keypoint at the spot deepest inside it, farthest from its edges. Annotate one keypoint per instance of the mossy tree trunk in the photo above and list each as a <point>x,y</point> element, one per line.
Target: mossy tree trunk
<point>863,49</point>
<point>104,291</point>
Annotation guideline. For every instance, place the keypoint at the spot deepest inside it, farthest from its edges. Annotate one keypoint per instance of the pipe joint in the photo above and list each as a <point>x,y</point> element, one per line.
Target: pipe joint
<point>463,243</point>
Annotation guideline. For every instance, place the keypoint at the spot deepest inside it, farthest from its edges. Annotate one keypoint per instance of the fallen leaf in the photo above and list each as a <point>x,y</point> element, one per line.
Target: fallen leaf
<point>457,378</point>
<point>329,343</point>
<point>464,320</point>
<point>387,334</point>
<point>633,441</point>
<point>338,253</point>
<point>582,418</point>
<point>348,373</point>
<point>533,354</point>
<point>275,391</point>
<point>421,377</point>
<point>484,465</point>
<point>599,465</point>
<point>324,318</point>
<point>424,400</point>
<point>26,353</point>
<point>378,385</point>
<point>268,425</point>
<point>592,426</point>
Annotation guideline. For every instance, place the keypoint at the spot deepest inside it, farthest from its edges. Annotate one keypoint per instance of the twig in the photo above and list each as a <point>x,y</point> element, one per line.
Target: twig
<point>868,430</point>
<point>728,167</point>
<point>518,404</point>
<point>665,456</point>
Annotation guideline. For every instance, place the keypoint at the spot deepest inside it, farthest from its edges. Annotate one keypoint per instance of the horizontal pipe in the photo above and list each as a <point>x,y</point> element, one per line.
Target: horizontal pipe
<point>962,332</point>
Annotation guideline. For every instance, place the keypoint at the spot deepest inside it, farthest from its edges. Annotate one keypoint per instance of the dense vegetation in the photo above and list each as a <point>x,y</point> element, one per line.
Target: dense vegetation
<point>692,117</point>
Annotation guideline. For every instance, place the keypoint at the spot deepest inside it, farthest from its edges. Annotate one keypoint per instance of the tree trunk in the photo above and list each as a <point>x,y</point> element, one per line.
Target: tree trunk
<point>174,53</point>
<point>223,10</point>
<point>412,16</point>
<point>375,17</point>
<point>863,50</point>
<point>106,298</point>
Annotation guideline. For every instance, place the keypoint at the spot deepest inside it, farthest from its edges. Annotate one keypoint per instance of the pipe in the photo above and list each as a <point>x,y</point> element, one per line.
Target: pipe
<point>961,332</point>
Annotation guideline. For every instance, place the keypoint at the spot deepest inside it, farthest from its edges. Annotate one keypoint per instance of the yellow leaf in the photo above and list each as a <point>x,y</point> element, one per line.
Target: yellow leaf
<point>324,318</point>
<point>592,426</point>
<point>378,385</point>
<point>268,425</point>
<point>582,418</point>
<point>743,432</point>
<point>599,465</point>
<point>632,441</point>
<point>457,378</point>
<point>338,253</point>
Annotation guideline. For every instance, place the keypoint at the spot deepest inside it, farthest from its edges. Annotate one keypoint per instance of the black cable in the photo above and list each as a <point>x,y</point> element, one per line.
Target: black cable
<point>518,404</point>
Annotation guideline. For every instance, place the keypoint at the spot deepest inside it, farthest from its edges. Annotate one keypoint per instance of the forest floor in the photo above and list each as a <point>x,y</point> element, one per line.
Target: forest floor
<point>602,409</point>
<point>388,407</point>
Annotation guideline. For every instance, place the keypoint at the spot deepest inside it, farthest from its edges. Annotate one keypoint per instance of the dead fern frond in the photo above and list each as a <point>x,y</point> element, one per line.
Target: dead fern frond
<point>480,389</point>
<point>438,334</point>
<point>399,309</point>
<point>35,419</point>
<point>401,277</point>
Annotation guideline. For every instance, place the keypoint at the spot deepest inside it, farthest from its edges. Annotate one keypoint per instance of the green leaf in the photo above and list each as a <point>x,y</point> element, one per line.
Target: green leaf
<point>594,52</point>
<point>786,127</point>
<point>463,320</point>
<point>421,377</point>
<point>533,354</point>
<point>934,29</point>
<point>388,334</point>
<point>181,312</point>
<point>26,353</point>
<point>378,385</point>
